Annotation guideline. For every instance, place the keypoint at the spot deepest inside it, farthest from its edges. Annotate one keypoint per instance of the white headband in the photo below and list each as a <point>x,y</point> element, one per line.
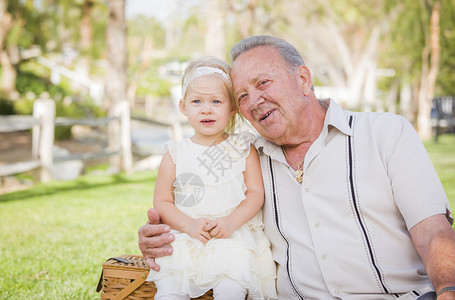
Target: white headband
<point>201,71</point>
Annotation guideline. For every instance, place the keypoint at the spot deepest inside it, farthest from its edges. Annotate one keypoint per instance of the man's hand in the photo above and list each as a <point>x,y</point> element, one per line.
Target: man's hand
<point>154,239</point>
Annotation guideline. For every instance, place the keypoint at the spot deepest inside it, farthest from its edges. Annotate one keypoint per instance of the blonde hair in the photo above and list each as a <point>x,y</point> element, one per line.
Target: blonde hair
<point>217,63</point>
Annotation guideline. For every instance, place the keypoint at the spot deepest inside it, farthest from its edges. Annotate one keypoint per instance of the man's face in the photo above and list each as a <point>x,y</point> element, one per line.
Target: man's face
<point>270,96</point>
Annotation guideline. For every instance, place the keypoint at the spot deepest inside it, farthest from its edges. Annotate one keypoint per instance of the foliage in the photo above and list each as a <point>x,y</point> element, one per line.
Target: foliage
<point>31,83</point>
<point>62,19</point>
<point>6,107</point>
<point>154,85</point>
<point>402,49</point>
<point>142,26</point>
<point>31,34</point>
<point>446,80</point>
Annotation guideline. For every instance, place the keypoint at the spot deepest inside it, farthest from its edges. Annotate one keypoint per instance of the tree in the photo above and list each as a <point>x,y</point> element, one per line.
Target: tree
<point>116,77</point>
<point>342,39</point>
<point>430,64</point>
<point>414,50</point>
<point>86,32</point>
<point>215,38</point>
<point>446,80</point>
<point>6,23</point>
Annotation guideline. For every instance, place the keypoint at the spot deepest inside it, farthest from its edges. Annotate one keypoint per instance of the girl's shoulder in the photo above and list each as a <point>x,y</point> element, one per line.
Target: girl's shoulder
<point>242,140</point>
<point>174,147</point>
<point>238,144</point>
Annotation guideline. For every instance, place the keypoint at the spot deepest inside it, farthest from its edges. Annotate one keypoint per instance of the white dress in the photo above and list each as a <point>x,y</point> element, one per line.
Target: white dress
<point>210,183</point>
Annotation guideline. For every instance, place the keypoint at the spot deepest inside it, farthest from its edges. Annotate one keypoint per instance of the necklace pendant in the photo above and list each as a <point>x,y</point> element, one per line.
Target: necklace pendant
<point>299,176</point>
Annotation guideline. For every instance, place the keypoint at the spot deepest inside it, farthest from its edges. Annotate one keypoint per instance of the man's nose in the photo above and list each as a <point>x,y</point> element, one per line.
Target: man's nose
<point>255,100</point>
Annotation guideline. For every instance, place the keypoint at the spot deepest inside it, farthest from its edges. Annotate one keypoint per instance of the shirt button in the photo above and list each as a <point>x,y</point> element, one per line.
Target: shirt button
<point>323,256</point>
<point>307,189</point>
<point>337,292</point>
<point>316,224</point>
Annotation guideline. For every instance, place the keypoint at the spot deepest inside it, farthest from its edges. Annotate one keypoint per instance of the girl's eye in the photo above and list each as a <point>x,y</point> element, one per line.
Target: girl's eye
<point>196,101</point>
<point>216,101</point>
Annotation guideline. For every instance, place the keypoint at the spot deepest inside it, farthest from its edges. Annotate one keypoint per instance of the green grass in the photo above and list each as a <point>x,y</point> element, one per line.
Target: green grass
<point>442,154</point>
<point>54,237</point>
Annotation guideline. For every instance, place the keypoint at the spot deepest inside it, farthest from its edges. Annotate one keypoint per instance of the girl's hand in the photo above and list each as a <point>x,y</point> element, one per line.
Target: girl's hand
<point>197,230</point>
<point>221,228</point>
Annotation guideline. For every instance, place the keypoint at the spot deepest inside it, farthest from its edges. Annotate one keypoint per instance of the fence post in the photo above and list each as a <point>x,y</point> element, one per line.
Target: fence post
<point>43,135</point>
<point>123,111</point>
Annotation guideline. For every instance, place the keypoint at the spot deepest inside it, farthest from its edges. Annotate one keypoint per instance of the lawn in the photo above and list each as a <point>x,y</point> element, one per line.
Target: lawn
<point>54,237</point>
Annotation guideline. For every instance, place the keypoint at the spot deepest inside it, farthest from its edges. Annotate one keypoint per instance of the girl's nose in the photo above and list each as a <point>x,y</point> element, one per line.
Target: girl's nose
<point>207,108</point>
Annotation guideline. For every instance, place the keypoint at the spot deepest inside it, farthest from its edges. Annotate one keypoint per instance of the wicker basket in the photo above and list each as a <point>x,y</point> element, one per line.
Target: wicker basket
<point>124,278</point>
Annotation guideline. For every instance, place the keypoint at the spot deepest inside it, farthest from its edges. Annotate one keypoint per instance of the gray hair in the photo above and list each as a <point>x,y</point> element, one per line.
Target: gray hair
<point>286,50</point>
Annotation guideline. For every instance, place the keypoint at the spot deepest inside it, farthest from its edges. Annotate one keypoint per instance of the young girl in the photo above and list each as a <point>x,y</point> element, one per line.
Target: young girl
<point>209,190</point>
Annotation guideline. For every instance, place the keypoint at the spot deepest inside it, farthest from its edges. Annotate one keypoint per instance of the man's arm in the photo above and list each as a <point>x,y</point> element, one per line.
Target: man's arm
<point>434,240</point>
<point>154,239</point>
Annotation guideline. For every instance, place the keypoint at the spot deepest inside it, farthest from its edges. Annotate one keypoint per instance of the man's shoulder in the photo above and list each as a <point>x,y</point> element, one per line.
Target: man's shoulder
<point>376,118</point>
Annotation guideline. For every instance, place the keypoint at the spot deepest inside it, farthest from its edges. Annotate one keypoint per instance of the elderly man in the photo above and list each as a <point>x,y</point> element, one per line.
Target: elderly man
<point>353,208</point>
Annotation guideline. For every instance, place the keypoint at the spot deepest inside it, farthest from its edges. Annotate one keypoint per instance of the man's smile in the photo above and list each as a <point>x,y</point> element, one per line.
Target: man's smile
<point>266,115</point>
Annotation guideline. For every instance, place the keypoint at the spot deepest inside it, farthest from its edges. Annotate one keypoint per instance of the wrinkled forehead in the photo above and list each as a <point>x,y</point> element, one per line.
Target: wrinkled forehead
<point>251,66</point>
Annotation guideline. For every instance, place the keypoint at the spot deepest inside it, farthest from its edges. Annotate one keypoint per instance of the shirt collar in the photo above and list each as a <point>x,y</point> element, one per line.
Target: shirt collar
<point>335,117</point>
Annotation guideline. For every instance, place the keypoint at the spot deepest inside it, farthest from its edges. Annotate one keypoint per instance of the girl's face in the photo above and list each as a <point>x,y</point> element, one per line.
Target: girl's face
<point>208,108</point>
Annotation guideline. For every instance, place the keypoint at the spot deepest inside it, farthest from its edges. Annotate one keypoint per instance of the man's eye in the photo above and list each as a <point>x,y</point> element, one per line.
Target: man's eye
<point>263,82</point>
<point>241,97</point>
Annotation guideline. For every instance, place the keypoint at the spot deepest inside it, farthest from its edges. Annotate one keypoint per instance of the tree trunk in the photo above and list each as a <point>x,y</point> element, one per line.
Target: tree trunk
<point>430,66</point>
<point>215,36</point>
<point>357,79</point>
<point>244,16</point>
<point>8,81</point>
<point>391,97</point>
<point>8,78</point>
<point>143,66</point>
<point>85,29</point>
<point>116,79</point>
<point>5,22</point>
<point>406,101</point>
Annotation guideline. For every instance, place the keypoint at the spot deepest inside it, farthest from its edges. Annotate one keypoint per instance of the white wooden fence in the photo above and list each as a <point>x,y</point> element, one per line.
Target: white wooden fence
<point>43,122</point>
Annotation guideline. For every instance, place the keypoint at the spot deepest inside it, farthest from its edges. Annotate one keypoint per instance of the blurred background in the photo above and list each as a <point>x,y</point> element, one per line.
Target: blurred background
<point>87,56</point>
<point>88,94</point>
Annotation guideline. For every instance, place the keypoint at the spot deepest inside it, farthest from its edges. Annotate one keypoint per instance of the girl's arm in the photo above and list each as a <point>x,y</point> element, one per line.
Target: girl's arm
<point>163,202</point>
<point>249,207</point>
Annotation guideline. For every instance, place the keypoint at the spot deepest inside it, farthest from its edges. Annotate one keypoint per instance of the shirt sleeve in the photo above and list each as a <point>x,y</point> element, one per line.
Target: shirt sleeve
<point>416,187</point>
<point>171,146</point>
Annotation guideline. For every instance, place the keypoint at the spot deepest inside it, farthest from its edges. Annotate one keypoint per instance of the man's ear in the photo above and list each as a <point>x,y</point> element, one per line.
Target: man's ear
<point>305,75</point>
<point>234,111</point>
<point>182,107</point>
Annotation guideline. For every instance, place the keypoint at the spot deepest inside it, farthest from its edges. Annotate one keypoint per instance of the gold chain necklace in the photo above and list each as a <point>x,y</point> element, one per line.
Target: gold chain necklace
<point>299,176</point>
